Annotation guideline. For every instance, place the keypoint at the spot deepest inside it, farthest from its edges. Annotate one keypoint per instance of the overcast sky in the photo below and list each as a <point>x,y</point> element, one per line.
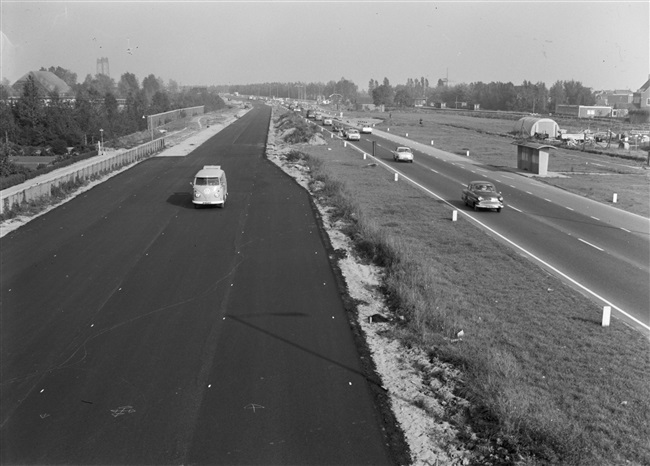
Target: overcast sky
<point>604,45</point>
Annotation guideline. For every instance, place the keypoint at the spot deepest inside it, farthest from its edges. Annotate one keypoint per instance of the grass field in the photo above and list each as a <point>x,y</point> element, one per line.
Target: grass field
<point>545,381</point>
<point>594,175</point>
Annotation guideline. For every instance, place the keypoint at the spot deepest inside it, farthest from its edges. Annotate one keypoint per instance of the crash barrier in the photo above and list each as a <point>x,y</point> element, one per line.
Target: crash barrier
<point>94,167</point>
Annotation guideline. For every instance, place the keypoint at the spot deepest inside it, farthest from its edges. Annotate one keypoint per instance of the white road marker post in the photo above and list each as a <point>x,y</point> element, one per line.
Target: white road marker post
<point>607,314</point>
<point>345,143</point>
<point>364,156</point>
<point>396,176</point>
<point>615,198</point>
<point>432,142</point>
<point>454,215</point>
<point>407,134</point>
<point>468,153</point>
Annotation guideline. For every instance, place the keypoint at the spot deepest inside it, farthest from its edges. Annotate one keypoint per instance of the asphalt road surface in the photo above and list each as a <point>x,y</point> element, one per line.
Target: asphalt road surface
<point>139,330</point>
<point>602,251</point>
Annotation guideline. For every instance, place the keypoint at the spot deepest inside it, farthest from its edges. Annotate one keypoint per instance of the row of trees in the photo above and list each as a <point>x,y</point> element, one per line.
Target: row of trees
<point>31,119</point>
<point>527,97</point>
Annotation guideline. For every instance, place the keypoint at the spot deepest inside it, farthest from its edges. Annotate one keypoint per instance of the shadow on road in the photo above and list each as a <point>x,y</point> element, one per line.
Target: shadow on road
<point>183,199</point>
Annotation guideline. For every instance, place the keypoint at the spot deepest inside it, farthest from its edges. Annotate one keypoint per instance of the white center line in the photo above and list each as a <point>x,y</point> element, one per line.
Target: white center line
<point>514,208</point>
<point>594,218</point>
<point>568,208</point>
<point>589,244</point>
<point>547,200</point>
<point>625,229</point>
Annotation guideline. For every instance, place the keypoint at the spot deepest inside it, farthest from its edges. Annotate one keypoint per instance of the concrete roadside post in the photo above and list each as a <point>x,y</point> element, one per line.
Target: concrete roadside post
<point>607,313</point>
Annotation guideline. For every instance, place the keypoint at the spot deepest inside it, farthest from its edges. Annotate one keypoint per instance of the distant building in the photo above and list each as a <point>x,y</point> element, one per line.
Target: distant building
<point>102,66</point>
<point>616,98</point>
<point>46,82</point>
<point>641,98</point>
<point>584,111</point>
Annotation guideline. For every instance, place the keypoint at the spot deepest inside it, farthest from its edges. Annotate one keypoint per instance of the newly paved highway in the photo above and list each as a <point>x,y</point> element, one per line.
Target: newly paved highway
<point>602,251</point>
<point>139,330</point>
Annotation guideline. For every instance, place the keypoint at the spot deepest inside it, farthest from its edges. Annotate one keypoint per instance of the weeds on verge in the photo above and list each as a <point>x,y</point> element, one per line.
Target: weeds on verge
<point>35,206</point>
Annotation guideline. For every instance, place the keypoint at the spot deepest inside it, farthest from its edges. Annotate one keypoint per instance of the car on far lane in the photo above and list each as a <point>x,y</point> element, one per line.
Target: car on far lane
<point>327,121</point>
<point>482,195</point>
<point>366,129</point>
<point>403,153</point>
<point>352,135</point>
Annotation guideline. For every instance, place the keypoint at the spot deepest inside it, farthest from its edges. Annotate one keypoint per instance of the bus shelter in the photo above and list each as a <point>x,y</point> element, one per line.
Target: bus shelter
<point>533,157</point>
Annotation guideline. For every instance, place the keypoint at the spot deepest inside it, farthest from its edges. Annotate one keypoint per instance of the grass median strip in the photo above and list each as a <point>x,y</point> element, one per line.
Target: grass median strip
<point>544,380</point>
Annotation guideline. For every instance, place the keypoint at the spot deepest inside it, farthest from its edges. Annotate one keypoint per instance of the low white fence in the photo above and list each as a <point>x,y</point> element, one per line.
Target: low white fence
<point>42,186</point>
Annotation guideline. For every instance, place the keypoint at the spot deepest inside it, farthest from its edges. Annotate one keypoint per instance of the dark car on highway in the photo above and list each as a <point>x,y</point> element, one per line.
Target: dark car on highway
<point>482,195</point>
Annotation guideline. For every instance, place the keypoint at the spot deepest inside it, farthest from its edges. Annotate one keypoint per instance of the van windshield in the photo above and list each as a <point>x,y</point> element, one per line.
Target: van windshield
<point>206,181</point>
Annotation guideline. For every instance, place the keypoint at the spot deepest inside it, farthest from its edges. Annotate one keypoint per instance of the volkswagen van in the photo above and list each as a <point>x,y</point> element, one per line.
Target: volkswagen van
<point>209,187</point>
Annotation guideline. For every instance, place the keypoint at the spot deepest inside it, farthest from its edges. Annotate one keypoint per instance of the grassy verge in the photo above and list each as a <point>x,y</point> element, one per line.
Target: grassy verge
<point>546,383</point>
<point>591,174</point>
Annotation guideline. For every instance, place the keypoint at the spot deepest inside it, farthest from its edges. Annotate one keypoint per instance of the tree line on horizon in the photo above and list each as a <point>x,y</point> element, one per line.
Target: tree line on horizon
<point>527,97</point>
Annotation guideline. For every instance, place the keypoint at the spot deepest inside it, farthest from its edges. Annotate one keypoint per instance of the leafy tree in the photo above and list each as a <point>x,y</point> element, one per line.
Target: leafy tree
<point>111,115</point>
<point>87,114</point>
<point>403,97</point>
<point>150,85</point>
<point>59,121</point>
<point>29,115</point>
<point>383,95</point>
<point>172,87</point>
<point>8,128</point>
<point>577,94</point>
<point>557,94</point>
<point>136,109</point>
<point>101,84</point>
<point>128,85</point>
<point>160,103</point>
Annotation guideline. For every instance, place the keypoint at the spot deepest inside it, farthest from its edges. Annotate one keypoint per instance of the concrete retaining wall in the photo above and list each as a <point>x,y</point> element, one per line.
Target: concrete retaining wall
<point>42,186</point>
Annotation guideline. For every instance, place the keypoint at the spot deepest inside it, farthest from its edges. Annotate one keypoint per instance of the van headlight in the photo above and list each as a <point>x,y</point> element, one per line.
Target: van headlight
<point>197,194</point>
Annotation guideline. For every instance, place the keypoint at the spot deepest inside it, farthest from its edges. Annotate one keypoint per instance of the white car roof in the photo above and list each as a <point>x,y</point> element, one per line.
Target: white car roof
<point>404,148</point>
<point>209,171</point>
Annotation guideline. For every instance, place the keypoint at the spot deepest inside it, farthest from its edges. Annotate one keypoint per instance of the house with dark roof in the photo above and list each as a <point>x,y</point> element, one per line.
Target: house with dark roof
<point>46,82</point>
<point>641,98</point>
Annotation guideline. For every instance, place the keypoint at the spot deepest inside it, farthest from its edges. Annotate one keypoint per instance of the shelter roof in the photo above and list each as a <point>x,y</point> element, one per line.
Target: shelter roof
<point>533,145</point>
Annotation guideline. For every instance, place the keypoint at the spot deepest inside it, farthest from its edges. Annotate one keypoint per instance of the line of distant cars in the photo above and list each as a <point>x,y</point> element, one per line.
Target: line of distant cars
<point>477,194</point>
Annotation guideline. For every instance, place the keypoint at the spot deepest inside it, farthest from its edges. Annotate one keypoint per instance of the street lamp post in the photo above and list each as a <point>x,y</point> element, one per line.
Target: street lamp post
<point>101,131</point>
